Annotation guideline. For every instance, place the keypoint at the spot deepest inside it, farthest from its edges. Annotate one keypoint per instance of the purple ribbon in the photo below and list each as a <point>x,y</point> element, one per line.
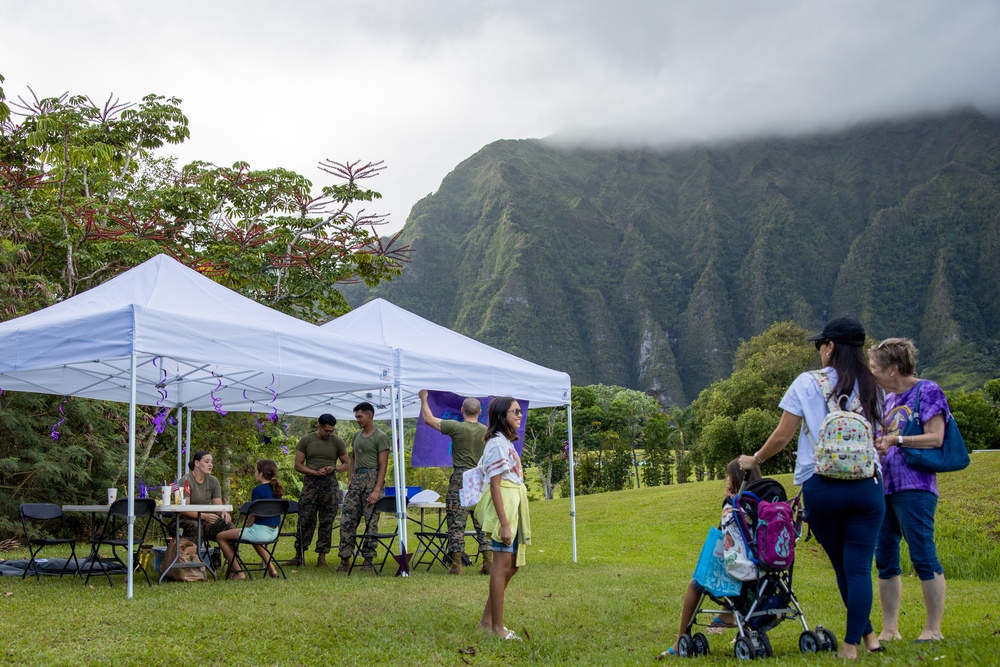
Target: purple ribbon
<point>216,401</point>
<point>55,427</point>
<point>274,396</point>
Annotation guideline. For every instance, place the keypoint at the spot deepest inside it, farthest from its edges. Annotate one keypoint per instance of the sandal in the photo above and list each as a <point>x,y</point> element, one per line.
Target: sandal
<point>510,635</point>
<point>237,574</point>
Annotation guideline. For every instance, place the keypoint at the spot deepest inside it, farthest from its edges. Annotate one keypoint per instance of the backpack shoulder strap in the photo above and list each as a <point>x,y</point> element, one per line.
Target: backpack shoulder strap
<point>825,388</point>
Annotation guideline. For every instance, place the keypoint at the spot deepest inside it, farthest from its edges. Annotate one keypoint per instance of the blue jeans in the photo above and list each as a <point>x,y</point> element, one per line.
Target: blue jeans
<point>504,548</point>
<point>908,515</point>
<point>845,516</point>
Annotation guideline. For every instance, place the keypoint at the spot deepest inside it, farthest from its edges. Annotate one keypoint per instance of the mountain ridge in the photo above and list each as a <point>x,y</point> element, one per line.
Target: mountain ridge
<point>646,267</point>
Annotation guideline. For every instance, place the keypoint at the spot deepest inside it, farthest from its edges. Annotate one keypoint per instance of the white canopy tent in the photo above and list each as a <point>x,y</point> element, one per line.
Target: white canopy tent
<point>163,334</point>
<point>430,356</point>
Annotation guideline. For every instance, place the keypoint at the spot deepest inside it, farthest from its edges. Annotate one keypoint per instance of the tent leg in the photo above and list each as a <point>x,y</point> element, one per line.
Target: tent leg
<point>131,478</point>
<point>400,491</point>
<point>572,476</point>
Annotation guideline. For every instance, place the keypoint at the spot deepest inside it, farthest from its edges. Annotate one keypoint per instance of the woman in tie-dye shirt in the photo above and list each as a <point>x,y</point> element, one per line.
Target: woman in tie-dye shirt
<point>910,495</point>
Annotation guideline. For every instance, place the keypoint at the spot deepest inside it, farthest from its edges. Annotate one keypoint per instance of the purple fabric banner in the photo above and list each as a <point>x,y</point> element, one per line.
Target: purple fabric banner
<point>432,449</point>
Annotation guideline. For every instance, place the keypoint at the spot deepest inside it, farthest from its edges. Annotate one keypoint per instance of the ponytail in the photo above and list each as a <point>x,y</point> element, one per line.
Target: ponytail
<point>269,469</point>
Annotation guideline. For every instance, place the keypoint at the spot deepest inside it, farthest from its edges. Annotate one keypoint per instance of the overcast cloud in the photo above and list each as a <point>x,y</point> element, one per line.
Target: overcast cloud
<point>424,85</point>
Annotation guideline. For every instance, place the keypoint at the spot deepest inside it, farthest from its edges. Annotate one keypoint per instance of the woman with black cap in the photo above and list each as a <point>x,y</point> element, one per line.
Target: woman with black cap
<point>844,514</point>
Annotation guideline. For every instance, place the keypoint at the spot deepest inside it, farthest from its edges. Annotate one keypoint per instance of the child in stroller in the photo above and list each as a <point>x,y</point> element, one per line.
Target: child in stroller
<point>695,592</point>
<point>762,603</point>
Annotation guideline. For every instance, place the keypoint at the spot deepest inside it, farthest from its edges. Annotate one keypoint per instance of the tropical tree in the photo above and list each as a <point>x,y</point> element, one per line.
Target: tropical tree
<point>546,446</point>
<point>85,193</point>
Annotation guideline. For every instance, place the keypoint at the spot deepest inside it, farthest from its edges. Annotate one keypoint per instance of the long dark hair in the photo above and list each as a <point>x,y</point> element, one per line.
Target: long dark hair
<point>269,470</point>
<point>852,367</point>
<point>497,413</point>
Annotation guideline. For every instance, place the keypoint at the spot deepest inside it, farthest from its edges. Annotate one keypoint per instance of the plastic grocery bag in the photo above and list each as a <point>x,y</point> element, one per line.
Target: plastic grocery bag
<point>710,572</point>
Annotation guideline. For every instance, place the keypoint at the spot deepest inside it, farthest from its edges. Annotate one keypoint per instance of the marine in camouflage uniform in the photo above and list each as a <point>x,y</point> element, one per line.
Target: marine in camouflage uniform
<point>319,456</point>
<point>466,449</point>
<point>370,458</point>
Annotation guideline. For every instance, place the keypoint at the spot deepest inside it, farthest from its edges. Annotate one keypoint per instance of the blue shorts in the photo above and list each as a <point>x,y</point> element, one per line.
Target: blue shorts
<point>504,548</point>
<point>260,533</point>
<point>909,515</point>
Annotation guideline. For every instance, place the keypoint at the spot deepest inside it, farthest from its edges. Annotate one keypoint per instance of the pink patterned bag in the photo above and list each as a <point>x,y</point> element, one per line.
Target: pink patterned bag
<point>472,487</point>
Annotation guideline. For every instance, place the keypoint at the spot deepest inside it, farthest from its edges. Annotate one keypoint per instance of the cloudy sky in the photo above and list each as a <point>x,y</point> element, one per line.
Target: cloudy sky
<point>424,84</point>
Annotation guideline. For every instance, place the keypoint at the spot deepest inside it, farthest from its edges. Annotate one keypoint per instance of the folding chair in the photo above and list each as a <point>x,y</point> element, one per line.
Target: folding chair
<point>384,505</point>
<point>293,508</point>
<point>265,508</point>
<point>116,521</point>
<point>433,544</point>
<point>41,513</point>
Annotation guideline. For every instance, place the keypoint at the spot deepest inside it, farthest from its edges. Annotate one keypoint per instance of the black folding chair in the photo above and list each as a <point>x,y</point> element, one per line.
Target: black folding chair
<point>384,505</point>
<point>114,524</point>
<point>293,508</point>
<point>41,513</point>
<point>265,508</point>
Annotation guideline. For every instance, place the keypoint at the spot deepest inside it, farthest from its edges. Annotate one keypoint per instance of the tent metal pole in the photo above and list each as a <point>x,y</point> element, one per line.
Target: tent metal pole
<point>572,476</point>
<point>180,438</point>
<point>400,520</point>
<point>187,450</point>
<point>402,470</point>
<point>130,566</point>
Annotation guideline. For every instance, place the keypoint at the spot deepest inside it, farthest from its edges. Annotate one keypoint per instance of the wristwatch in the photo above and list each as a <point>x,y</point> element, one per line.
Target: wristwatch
<point>900,440</point>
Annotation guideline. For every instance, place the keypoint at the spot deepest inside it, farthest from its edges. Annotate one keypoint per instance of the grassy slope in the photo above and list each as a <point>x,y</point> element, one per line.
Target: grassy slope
<point>618,605</point>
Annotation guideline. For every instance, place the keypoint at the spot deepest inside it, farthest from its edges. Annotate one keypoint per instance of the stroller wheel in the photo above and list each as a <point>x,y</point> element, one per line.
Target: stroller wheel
<point>700,642</point>
<point>809,642</point>
<point>829,640</point>
<point>765,646</point>
<point>743,649</point>
<point>685,646</point>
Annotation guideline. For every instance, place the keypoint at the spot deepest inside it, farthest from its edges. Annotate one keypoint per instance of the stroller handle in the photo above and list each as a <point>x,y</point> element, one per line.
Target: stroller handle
<point>746,476</point>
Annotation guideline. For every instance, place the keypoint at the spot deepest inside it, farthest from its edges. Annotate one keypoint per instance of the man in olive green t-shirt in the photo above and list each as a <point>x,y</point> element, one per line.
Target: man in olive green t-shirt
<point>319,456</point>
<point>369,460</point>
<point>466,449</point>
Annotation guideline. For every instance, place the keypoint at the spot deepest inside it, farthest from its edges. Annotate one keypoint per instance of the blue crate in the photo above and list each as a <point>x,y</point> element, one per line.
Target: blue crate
<point>410,491</point>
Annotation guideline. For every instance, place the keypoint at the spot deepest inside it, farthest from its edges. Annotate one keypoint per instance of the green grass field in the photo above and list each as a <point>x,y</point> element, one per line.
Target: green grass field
<point>617,606</point>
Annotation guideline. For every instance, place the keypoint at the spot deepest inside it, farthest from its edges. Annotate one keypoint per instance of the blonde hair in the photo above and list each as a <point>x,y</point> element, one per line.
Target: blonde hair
<point>899,351</point>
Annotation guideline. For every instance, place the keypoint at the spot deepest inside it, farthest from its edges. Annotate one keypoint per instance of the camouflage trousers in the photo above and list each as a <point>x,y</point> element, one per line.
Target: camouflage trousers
<point>356,506</point>
<point>320,499</point>
<point>456,516</point>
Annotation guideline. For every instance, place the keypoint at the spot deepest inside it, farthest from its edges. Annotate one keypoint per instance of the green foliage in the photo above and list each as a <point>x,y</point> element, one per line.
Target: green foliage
<point>737,414</point>
<point>977,417</point>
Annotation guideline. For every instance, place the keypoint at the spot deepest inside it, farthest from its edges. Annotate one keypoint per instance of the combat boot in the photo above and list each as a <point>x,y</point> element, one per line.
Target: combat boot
<point>298,561</point>
<point>487,565</point>
<point>456,563</point>
<point>321,560</point>
<point>345,565</point>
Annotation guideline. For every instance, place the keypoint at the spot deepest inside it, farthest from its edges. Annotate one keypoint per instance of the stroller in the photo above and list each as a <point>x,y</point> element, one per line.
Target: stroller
<point>764,602</point>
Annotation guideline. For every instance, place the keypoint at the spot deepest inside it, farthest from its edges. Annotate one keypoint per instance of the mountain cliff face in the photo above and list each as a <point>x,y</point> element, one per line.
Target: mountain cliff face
<point>646,268</point>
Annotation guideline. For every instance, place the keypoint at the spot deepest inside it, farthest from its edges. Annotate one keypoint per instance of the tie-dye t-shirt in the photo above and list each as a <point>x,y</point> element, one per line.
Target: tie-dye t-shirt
<point>898,409</point>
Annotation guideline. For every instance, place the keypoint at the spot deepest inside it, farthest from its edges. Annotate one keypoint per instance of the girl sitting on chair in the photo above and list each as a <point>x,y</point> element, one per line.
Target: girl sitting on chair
<point>263,529</point>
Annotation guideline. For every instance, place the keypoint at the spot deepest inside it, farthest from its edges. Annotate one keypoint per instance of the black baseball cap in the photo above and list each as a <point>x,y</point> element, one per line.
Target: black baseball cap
<point>843,330</point>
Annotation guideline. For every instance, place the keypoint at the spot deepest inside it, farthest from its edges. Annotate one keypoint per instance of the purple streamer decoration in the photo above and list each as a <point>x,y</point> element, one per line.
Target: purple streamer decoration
<point>143,489</point>
<point>55,427</point>
<point>274,396</point>
<point>216,401</point>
